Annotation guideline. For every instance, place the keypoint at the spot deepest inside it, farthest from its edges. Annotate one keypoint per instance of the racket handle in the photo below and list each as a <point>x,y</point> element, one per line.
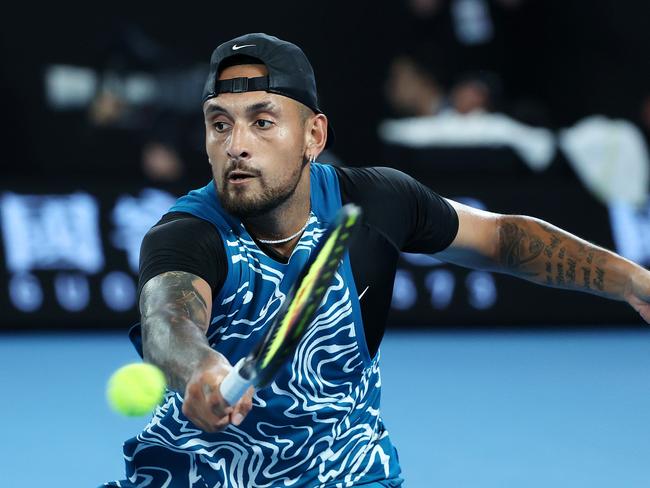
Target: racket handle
<point>234,385</point>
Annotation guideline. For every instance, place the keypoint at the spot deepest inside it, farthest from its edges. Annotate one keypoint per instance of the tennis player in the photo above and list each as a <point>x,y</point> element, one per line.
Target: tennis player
<point>216,268</point>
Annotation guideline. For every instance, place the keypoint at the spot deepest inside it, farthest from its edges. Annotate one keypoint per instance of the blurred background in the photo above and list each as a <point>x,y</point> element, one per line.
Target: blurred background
<point>516,106</point>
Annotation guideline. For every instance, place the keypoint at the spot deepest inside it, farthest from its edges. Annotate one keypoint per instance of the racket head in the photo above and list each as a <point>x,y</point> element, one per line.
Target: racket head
<point>304,297</point>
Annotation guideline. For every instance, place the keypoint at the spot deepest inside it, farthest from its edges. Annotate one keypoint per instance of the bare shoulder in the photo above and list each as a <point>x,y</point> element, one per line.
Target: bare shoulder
<point>177,293</point>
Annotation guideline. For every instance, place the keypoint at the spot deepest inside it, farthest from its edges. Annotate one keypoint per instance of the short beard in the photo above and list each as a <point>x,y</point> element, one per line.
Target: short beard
<point>270,199</point>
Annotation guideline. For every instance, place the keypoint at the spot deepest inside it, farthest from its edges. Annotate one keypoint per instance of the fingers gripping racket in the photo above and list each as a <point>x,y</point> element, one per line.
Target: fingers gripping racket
<point>259,368</point>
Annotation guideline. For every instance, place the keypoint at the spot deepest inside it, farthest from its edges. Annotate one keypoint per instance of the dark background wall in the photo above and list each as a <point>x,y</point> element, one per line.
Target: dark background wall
<point>574,57</point>
<point>565,59</point>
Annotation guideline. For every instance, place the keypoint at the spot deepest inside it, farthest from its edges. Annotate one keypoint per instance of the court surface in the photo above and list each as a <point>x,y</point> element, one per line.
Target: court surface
<point>470,409</point>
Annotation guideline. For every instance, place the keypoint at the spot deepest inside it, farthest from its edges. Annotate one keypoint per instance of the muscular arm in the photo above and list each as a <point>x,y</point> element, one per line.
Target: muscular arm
<point>537,251</point>
<point>175,310</point>
<point>542,253</point>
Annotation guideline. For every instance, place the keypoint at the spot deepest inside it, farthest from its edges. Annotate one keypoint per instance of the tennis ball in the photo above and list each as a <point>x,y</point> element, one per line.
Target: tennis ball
<point>135,389</point>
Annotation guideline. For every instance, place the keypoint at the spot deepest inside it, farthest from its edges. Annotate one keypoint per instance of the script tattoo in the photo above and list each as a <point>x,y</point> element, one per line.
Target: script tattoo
<point>559,279</point>
<point>537,250</point>
<point>587,277</point>
<point>571,271</point>
<point>599,280</point>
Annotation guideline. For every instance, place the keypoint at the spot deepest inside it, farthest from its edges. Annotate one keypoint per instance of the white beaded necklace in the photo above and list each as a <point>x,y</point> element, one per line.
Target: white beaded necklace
<point>286,239</point>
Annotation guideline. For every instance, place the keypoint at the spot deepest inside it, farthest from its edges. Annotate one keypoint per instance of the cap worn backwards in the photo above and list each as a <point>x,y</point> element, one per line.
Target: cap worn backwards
<point>289,72</point>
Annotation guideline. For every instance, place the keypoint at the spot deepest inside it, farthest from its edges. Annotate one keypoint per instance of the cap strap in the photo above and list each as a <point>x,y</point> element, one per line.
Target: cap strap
<point>240,85</point>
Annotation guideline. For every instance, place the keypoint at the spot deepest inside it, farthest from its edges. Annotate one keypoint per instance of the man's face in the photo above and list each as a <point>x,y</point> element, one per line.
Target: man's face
<point>256,145</point>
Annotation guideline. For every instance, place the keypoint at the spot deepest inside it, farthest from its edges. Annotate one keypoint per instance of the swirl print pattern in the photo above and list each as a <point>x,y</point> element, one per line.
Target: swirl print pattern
<point>316,425</point>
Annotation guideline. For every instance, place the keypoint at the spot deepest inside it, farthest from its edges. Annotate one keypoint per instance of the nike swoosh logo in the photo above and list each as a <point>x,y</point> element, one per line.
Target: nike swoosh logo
<point>236,47</point>
<point>364,292</point>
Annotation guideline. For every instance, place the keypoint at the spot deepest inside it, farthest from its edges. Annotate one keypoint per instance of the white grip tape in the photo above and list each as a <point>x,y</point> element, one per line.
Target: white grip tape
<point>233,385</point>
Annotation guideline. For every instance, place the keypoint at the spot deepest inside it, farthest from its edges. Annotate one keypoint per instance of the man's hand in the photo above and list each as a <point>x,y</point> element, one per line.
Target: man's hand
<point>175,309</point>
<point>203,403</point>
<point>638,294</point>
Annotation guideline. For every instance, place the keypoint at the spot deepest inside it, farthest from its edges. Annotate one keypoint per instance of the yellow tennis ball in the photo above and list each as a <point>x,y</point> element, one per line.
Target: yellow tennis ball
<point>135,389</point>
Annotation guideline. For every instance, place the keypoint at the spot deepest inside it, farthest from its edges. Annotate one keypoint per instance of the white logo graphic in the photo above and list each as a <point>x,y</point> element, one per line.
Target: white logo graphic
<point>25,292</point>
<point>482,290</point>
<point>119,291</point>
<point>441,284</point>
<point>236,47</point>
<point>405,293</point>
<point>72,291</point>
<point>51,232</point>
<point>363,292</point>
<point>134,216</point>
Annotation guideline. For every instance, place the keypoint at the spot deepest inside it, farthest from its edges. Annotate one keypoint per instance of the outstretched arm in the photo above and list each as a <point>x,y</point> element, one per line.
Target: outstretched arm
<point>542,253</point>
<point>175,313</point>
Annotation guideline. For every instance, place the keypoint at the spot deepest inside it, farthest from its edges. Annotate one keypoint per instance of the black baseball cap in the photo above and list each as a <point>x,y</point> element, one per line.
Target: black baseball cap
<point>289,72</point>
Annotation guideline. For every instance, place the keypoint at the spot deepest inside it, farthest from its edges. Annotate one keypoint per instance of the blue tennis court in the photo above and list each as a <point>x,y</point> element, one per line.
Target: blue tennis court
<point>471,409</point>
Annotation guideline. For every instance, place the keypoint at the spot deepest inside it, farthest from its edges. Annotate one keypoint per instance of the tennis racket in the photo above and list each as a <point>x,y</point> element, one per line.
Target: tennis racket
<point>259,368</point>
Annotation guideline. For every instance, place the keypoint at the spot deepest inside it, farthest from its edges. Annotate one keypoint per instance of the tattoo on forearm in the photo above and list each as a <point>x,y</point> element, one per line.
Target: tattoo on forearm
<point>541,252</point>
<point>550,249</point>
<point>519,248</point>
<point>587,278</point>
<point>559,279</point>
<point>571,271</point>
<point>599,280</point>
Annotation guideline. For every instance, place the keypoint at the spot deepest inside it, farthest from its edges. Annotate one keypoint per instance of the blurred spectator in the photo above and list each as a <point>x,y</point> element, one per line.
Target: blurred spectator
<point>498,36</point>
<point>142,101</point>
<point>470,96</point>
<point>475,92</point>
<point>467,121</point>
<point>411,90</point>
<point>107,109</point>
<point>161,163</point>
<point>472,21</point>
